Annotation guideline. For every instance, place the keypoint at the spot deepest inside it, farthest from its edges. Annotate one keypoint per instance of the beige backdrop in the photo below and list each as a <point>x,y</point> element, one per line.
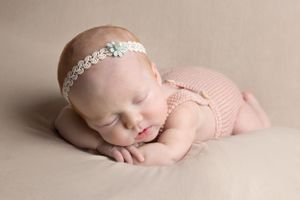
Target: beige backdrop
<point>254,42</point>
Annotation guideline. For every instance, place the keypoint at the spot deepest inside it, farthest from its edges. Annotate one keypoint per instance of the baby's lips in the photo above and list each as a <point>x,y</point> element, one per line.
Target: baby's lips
<point>141,134</point>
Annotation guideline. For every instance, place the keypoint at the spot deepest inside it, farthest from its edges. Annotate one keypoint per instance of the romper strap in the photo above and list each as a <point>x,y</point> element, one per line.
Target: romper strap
<point>183,96</point>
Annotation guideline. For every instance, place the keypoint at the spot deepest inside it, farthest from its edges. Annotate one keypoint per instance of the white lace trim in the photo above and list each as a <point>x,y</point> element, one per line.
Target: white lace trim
<point>112,49</point>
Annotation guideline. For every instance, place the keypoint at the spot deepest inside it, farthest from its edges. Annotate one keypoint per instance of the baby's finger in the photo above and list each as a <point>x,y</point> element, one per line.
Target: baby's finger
<point>126,155</point>
<point>117,155</point>
<point>136,153</point>
<point>111,151</point>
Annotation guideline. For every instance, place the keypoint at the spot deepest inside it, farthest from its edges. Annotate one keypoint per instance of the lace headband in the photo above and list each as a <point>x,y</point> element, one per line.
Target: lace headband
<point>112,49</point>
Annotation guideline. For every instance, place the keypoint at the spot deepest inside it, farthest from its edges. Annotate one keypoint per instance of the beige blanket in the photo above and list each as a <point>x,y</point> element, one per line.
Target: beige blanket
<point>37,164</point>
<point>255,43</point>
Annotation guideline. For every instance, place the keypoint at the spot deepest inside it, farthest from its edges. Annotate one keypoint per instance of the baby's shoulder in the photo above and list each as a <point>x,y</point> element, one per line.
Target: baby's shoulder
<point>186,115</point>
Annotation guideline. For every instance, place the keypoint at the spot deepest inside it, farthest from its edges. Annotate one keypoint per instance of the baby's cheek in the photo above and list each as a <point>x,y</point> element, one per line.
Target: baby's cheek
<point>158,109</point>
<point>117,136</point>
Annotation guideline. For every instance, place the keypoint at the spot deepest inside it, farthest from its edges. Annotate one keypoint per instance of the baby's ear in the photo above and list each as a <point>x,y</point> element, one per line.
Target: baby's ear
<point>156,73</point>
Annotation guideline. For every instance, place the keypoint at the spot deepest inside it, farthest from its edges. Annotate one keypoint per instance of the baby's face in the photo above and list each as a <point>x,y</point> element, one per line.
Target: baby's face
<point>122,100</point>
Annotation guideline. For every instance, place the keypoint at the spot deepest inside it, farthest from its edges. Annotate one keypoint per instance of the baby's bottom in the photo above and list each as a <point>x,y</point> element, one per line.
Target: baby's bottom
<point>251,116</point>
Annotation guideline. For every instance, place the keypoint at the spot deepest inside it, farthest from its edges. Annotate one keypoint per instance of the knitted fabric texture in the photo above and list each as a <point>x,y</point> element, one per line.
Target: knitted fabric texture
<point>209,88</point>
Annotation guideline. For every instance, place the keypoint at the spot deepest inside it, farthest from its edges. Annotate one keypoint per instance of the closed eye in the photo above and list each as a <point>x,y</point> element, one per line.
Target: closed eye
<point>141,99</point>
<point>110,123</point>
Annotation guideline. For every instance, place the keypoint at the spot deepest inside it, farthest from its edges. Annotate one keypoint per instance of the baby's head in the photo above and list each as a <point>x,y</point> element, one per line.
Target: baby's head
<point>120,96</point>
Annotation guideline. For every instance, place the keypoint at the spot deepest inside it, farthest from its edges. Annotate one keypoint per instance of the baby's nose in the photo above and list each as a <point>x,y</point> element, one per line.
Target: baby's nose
<point>132,121</point>
<point>132,126</point>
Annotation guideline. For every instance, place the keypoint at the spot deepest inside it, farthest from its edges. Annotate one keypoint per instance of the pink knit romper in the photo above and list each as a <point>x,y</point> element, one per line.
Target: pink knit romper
<point>206,87</point>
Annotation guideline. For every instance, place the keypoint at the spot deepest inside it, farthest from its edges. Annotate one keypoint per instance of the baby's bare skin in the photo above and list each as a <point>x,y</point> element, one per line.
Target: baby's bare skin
<point>119,105</point>
<point>174,143</point>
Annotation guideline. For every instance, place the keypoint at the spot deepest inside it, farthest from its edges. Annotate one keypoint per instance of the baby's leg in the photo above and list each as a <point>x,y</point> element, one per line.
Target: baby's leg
<point>251,115</point>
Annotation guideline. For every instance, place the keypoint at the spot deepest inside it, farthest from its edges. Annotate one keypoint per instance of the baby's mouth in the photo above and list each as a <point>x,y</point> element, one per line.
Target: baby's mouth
<point>143,133</point>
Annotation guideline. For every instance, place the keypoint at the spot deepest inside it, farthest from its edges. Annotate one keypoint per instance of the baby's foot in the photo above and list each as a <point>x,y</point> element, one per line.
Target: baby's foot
<point>252,101</point>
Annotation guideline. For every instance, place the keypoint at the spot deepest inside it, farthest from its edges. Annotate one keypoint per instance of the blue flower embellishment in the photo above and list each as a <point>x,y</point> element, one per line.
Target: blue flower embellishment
<point>116,48</point>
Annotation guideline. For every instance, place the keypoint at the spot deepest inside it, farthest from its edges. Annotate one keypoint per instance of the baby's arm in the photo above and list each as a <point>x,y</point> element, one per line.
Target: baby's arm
<point>176,140</point>
<point>73,128</point>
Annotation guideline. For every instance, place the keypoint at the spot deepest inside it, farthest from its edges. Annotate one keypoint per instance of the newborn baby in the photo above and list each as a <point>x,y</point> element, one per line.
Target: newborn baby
<point>120,106</point>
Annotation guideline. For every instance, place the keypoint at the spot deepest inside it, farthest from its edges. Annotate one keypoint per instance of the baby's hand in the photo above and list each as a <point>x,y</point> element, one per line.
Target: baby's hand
<point>121,154</point>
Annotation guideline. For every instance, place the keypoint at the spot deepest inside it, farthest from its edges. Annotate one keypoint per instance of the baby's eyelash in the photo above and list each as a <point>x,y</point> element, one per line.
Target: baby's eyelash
<point>142,99</point>
<point>110,123</point>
